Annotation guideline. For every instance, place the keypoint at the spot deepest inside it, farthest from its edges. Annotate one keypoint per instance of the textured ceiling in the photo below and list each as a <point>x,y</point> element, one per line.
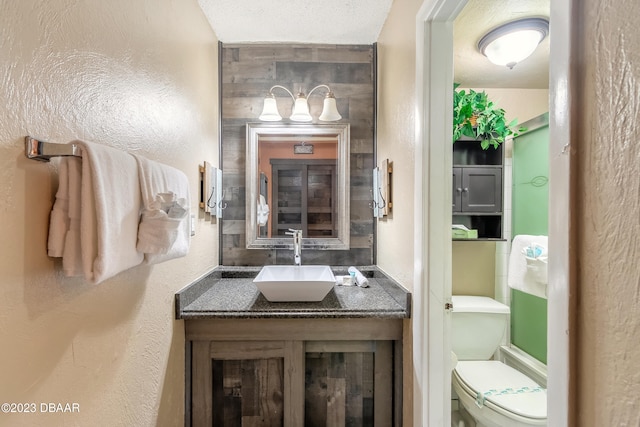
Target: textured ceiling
<point>297,21</point>
<point>360,22</point>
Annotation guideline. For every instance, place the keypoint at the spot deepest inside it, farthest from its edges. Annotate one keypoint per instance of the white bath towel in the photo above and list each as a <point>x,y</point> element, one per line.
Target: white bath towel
<point>164,231</point>
<point>72,253</point>
<point>59,219</point>
<point>109,211</point>
<point>528,273</point>
<point>97,239</point>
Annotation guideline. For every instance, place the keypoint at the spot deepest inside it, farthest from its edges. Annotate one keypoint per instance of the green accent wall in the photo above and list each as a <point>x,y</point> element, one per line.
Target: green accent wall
<point>530,207</point>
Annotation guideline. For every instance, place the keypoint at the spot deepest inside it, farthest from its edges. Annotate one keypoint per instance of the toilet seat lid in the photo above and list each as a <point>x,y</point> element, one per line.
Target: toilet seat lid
<point>511,390</point>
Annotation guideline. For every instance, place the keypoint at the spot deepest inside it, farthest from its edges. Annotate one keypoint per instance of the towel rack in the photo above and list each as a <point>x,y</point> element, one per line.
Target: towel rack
<point>44,151</point>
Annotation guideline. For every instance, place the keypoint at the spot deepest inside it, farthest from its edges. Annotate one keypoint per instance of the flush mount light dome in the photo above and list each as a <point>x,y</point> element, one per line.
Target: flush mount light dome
<point>514,41</point>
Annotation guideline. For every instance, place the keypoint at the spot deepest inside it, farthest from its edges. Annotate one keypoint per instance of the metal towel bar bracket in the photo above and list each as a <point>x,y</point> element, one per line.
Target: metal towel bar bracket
<point>44,151</point>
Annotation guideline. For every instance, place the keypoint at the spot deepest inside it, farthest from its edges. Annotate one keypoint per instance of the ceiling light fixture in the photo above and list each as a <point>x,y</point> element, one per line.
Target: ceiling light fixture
<point>300,111</point>
<point>514,41</point>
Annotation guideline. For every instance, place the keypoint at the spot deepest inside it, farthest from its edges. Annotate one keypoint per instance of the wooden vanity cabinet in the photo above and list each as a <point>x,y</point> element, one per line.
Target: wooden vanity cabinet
<point>311,372</point>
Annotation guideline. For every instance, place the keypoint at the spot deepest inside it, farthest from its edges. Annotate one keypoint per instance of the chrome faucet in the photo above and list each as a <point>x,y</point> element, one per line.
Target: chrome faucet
<point>297,245</point>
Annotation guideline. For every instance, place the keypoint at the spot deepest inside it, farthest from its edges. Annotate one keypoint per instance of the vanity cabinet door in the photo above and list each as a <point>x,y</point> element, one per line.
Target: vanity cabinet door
<point>294,383</point>
<point>247,383</point>
<point>248,392</point>
<point>348,383</point>
<point>456,198</point>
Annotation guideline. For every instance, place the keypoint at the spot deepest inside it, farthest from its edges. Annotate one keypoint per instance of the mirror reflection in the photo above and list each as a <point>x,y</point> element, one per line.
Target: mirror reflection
<point>297,178</point>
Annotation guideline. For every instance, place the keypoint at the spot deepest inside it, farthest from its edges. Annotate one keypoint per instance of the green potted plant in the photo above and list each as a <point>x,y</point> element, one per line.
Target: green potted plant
<point>477,117</point>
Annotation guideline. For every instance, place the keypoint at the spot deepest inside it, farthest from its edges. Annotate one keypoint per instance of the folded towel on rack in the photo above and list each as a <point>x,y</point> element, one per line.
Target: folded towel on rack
<point>528,265</point>
<point>109,212</point>
<point>100,197</point>
<point>164,231</point>
<point>59,218</point>
<point>114,210</point>
<point>72,253</point>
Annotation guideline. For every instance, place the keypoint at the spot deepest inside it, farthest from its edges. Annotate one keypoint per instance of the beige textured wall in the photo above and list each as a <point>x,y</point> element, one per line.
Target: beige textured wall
<point>396,141</point>
<point>607,203</point>
<point>518,103</point>
<point>140,76</point>
<point>396,136</point>
<point>474,268</point>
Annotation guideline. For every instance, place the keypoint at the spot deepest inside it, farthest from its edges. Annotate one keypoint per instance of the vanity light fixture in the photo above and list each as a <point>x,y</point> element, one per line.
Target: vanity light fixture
<point>300,111</point>
<point>514,41</point>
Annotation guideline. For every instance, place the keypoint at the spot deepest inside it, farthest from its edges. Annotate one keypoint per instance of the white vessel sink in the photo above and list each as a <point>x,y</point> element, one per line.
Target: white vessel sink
<point>282,283</point>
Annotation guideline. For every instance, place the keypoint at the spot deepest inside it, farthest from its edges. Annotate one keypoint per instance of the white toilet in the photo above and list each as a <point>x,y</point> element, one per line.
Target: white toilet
<point>494,394</point>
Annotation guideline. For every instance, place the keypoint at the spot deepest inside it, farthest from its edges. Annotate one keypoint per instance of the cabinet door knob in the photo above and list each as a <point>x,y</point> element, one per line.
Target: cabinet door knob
<point>459,190</point>
<point>466,189</point>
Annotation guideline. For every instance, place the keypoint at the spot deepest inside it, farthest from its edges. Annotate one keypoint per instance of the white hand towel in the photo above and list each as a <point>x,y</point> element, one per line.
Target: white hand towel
<point>164,231</point>
<point>360,279</point>
<point>109,211</point>
<point>64,226</point>
<point>528,274</point>
<point>160,223</point>
<point>263,211</point>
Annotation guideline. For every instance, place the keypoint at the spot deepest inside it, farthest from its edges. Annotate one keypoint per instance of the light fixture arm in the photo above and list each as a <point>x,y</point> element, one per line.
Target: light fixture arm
<point>319,86</point>
<point>282,87</point>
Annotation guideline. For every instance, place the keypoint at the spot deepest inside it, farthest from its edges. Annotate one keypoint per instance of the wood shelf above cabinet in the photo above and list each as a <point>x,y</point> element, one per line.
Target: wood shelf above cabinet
<point>488,226</point>
<point>470,153</point>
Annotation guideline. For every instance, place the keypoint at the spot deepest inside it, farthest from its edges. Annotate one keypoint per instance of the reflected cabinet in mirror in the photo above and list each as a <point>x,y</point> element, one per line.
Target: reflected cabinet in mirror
<point>297,177</point>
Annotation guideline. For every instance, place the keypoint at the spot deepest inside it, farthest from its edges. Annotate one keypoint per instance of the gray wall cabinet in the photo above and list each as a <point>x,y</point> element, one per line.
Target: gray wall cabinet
<point>477,188</point>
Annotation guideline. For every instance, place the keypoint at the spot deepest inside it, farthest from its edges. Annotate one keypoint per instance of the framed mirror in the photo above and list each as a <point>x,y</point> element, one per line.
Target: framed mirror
<point>297,177</point>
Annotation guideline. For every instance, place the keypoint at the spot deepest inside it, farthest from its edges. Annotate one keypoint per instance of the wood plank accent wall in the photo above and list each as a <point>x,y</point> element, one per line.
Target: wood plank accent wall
<point>247,73</point>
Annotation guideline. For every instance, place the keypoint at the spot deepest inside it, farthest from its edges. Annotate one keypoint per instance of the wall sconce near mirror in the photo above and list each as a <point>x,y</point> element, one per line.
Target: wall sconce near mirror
<point>378,200</point>
<point>300,111</point>
<point>514,41</point>
<point>211,192</point>
<point>220,203</point>
<point>382,203</point>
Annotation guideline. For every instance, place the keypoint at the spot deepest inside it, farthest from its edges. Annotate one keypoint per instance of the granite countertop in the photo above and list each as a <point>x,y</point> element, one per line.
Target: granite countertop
<point>229,292</point>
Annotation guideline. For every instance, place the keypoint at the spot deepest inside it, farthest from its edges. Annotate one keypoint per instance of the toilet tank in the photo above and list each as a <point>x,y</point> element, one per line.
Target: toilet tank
<point>478,325</point>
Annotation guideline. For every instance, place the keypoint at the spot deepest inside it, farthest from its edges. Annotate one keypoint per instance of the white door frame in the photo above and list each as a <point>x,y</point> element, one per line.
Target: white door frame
<point>434,118</point>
